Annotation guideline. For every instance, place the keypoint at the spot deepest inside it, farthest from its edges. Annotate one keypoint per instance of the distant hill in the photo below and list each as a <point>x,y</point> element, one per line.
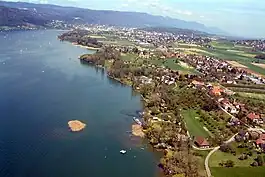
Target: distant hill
<point>46,12</point>
<point>177,31</point>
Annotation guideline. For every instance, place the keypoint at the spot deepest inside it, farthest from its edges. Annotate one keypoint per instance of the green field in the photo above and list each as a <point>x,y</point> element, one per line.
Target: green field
<point>252,67</point>
<point>219,156</point>
<point>172,64</point>
<point>238,172</point>
<point>258,96</point>
<point>241,168</point>
<point>194,126</point>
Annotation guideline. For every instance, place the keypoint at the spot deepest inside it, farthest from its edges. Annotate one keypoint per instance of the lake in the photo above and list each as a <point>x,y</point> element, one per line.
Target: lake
<point>43,85</point>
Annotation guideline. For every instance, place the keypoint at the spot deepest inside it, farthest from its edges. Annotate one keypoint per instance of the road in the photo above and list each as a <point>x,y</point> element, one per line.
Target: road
<point>232,115</point>
<point>206,162</point>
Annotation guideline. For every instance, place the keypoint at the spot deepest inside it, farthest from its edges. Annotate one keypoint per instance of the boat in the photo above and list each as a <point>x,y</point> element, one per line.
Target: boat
<point>137,121</point>
<point>122,151</point>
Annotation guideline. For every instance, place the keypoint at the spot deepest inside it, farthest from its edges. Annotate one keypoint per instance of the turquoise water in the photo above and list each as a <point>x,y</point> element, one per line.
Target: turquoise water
<point>42,86</point>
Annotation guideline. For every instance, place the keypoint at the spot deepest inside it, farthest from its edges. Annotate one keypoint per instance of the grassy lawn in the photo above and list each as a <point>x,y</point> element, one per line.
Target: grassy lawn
<point>238,172</point>
<point>219,156</point>
<point>194,126</point>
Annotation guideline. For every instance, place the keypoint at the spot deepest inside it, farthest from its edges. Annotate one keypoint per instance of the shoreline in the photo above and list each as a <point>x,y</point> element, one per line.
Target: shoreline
<point>86,47</point>
<point>155,147</point>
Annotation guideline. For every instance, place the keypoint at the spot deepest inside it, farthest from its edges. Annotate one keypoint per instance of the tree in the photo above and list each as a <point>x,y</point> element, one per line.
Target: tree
<point>225,148</point>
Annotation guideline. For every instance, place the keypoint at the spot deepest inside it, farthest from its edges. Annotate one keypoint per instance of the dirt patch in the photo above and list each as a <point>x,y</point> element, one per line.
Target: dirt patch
<point>236,64</point>
<point>259,65</point>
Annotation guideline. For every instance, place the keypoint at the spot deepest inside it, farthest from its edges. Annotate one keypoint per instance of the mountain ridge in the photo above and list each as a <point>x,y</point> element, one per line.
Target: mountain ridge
<point>107,17</point>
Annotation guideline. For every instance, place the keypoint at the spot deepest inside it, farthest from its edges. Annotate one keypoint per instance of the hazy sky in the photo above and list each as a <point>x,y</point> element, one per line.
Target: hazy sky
<point>240,17</point>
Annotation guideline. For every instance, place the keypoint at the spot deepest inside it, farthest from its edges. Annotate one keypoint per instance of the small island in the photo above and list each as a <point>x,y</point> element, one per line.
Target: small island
<point>76,125</point>
<point>137,130</point>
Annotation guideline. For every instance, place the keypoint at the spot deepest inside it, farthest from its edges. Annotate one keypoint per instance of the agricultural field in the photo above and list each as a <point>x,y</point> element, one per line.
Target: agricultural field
<point>236,64</point>
<point>194,126</point>
<point>262,65</point>
<point>112,40</point>
<point>258,96</point>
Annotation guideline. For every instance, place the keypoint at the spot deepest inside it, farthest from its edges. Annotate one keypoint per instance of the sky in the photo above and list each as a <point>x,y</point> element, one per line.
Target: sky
<point>238,17</point>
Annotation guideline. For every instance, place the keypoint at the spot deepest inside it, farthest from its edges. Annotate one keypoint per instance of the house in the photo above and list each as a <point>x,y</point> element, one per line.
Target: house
<point>201,142</point>
<point>146,80</point>
<point>234,121</point>
<point>260,143</point>
<point>197,83</point>
<point>255,118</point>
<point>216,91</point>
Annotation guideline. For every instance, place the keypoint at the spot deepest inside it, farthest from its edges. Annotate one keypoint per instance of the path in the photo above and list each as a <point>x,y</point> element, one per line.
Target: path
<point>206,162</point>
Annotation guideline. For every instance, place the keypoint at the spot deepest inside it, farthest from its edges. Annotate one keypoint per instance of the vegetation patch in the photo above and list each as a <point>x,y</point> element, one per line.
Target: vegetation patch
<point>238,171</point>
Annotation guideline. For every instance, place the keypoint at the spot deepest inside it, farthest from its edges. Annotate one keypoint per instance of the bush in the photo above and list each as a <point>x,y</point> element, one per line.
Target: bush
<point>249,153</point>
<point>229,163</point>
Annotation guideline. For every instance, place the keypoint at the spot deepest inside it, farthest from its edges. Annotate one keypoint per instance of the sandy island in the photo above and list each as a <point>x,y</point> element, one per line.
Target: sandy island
<point>76,125</point>
<point>137,130</point>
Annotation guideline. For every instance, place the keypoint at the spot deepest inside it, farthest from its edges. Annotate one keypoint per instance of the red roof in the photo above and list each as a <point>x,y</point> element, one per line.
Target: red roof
<point>262,136</point>
<point>201,141</point>
<point>259,141</point>
<point>253,116</point>
<point>216,90</point>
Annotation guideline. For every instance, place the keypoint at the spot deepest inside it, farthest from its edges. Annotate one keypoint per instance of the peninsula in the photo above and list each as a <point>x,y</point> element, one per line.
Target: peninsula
<point>194,104</point>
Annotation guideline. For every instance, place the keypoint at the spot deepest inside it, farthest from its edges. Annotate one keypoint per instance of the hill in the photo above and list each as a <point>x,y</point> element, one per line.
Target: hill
<point>48,12</point>
<point>15,17</point>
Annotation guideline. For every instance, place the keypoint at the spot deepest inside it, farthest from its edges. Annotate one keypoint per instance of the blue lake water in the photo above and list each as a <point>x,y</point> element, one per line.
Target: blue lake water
<point>42,86</point>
